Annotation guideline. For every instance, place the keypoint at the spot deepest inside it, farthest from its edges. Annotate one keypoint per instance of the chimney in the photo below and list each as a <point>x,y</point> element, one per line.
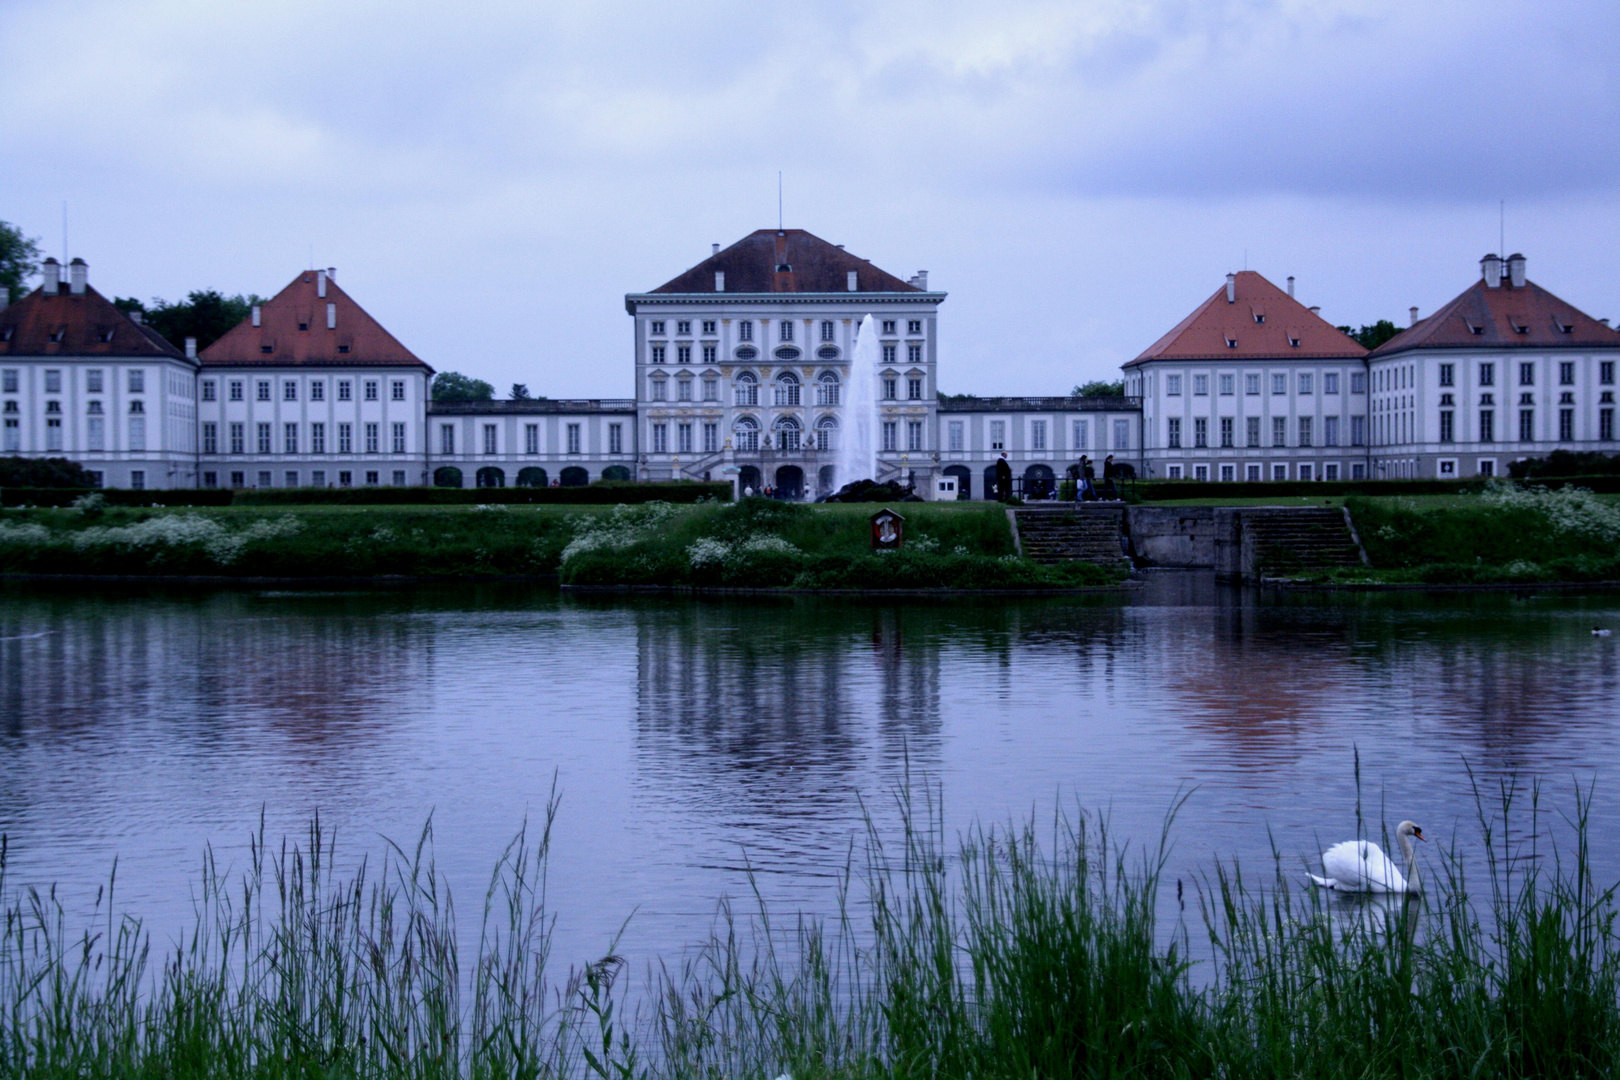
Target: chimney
<point>320,284</point>
<point>852,279</point>
<point>1516,270</point>
<point>922,280</point>
<point>1290,284</point>
<point>191,348</point>
<point>52,270</point>
<point>331,272</point>
<point>1604,321</point>
<point>136,318</point>
<point>719,281</point>
<point>1413,312</point>
<point>256,316</point>
<point>78,274</point>
<point>1490,267</point>
<point>714,249</point>
<point>1316,309</point>
<point>331,316</point>
<point>1231,288</point>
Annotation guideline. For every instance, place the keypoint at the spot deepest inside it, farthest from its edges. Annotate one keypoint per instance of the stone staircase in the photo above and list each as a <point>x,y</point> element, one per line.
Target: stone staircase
<point>1290,540</point>
<point>1051,534</point>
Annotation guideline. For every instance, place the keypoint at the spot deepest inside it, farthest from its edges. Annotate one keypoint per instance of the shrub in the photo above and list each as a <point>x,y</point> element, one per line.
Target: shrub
<point>25,472</point>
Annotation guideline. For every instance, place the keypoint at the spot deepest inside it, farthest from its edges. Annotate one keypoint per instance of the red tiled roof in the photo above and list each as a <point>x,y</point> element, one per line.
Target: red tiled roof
<point>86,324</point>
<point>1218,330</point>
<point>751,265</point>
<point>293,331</point>
<point>1486,318</point>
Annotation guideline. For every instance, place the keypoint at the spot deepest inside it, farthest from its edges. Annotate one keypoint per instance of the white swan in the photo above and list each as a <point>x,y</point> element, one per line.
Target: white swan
<point>1362,866</point>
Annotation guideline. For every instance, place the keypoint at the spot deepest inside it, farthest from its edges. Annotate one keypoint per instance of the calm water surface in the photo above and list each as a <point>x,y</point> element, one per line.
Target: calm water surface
<point>693,740</point>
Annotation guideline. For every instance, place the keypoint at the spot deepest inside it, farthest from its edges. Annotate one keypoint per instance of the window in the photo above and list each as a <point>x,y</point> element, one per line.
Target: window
<point>346,439</point>
<point>745,434</point>
<point>489,438</point>
<point>914,388</point>
<point>1279,384</point>
<point>658,354</point>
<point>317,391</point>
<point>1448,426</point>
<point>345,391</point>
<point>289,438</point>
<point>711,389</point>
<point>660,438</point>
<point>289,391</point>
<point>1200,432</point>
<point>372,478</point>
<point>683,389</point>
<point>1251,431</point>
<point>1358,382</point>
<point>396,390</point>
<point>1228,436</point>
<point>1201,385</point>
<point>1487,425</point>
<point>8,380</point>
<point>262,390</point>
<point>317,438</point>
<point>711,437</point>
<point>826,330</point>
<point>447,437</point>
<point>656,326</point>
<point>1078,434</point>
<point>1228,473</point>
<point>1330,431</point>
<point>1487,374</point>
<point>13,439</point>
<point>1279,431</point>
<point>890,434</point>
<point>210,437</point>
<point>1279,472</point>
<point>1251,384</point>
<point>1566,424</point>
<point>953,435</point>
<point>914,434</point>
<point>1201,472</point>
<point>137,381</point>
<point>785,330</point>
<point>398,441</point>
<point>1606,424</point>
<point>370,389</point>
<point>1330,382</point>
<point>888,326</point>
<point>615,438</point>
<point>572,432</point>
<point>683,354</point>
<point>786,391</point>
<point>683,438</point>
<point>1448,374</point>
<point>745,330</point>
<point>914,326</point>
<point>1251,473</point>
<point>263,440</point>
<point>371,437</point>
<point>134,406</point>
<point>914,353</point>
<point>998,435</point>
<point>1173,432</point>
<point>888,352</point>
<point>683,326</point>
<point>746,389</point>
<point>238,438</point>
<point>1606,372</point>
<point>710,326</point>
<point>827,389</point>
<point>1226,384</point>
<point>95,433</point>
<point>1527,425</point>
<point>1172,385</point>
<point>1122,434</point>
<point>787,433</point>
<point>1037,434</point>
<point>137,479</point>
<point>1173,472</point>
<point>209,388</point>
<point>345,478</point>
<point>656,390</point>
<point>711,353</point>
<point>1527,374</point>
<point>891,388</point>
<point>1305,431</point>
<point>53,434</point>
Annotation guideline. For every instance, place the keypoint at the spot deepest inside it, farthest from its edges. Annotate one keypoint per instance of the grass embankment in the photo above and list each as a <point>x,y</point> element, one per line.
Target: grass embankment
<point>1001,956</point>
<point>1506,535</point>
<point>759,543</point>
<point>306,542</point>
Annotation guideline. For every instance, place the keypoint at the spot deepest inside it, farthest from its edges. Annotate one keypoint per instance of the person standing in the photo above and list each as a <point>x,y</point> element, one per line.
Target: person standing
<point>1110,471</point>
<point>1003,478</point>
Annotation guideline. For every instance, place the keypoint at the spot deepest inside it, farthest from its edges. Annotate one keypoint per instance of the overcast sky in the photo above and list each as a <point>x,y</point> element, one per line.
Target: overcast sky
<point>491,179</point>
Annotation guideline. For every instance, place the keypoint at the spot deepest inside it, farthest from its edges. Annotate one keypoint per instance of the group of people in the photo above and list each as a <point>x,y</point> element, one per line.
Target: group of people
<point>1082,473</point>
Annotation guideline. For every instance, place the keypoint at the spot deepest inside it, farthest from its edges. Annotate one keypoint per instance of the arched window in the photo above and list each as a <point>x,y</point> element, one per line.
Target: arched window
<point>787,389</point>
<point>746,389</point>
<point>787,432</point>
<point>745,433</point>
<point>827,433</point>
<point>827,388</point>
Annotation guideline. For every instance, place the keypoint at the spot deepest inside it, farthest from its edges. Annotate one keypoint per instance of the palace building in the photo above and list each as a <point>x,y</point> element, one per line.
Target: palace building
<point>740,367</point>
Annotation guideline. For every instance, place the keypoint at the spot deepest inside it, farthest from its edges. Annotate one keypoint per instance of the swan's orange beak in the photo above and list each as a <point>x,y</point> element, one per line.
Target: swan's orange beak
<point>1419,834</point>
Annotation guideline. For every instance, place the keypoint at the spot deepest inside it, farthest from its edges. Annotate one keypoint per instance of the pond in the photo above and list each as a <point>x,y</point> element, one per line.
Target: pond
<point>695,741</point>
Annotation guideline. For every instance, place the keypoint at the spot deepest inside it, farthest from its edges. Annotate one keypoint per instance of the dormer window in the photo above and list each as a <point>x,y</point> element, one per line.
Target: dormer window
<point>267,348</point>
<point>343,348</point>
<point>1259,317</point>
<point>1231,342</point>
<point>107,335</point>
<point>1563,327</point>
<point>303,326</point>
<point>1521,328</point>
<point>1293,341</point>
<point>58,334</point>
<point>1473,329</point>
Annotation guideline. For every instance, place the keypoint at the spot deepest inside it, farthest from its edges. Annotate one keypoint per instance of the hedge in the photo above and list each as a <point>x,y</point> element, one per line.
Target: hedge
<point>1163,490</point>
<point>20,496</point>
<point>602,492</point>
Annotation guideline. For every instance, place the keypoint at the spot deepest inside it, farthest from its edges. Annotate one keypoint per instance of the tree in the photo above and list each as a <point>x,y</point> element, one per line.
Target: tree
<point>1098,388</point>
<point>43,473</point>
<point>520,391</point>
<point>205,315</point>
<point>19,260</point>
<point>454,386</point>
<point>1370,337</point>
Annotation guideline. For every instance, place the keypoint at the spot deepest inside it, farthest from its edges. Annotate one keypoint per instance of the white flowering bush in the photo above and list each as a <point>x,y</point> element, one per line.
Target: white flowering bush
<point>707,553</point>
<point>1571,510</point>
<point>761,543</point>
<point>620,528</point>
<point>156,535</point>
<point>28,533</point>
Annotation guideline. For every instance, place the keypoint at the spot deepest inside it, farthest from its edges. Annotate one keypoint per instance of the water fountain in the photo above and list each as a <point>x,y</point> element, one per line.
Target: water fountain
<point>857,437</point>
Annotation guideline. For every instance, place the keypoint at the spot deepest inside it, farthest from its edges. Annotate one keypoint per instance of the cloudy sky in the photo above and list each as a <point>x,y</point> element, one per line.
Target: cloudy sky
<point>489,179</point>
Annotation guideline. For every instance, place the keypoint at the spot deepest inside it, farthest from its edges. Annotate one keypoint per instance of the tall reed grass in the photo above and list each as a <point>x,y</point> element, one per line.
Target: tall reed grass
<point>1014,951</point>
